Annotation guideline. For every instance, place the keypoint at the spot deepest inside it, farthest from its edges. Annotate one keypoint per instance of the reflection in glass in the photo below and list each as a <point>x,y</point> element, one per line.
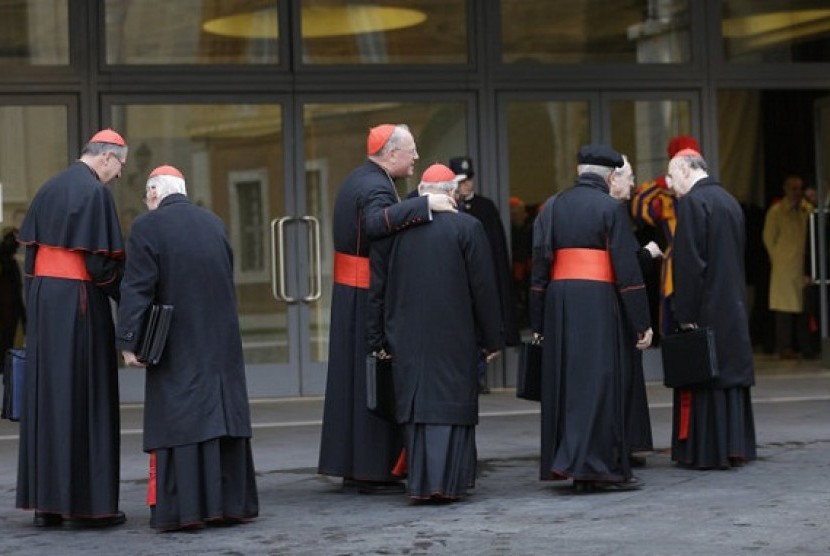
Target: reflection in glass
<point>231,157</point>
<point>336,144</point>
<point>191,32</point>
<point>34,149</point>
<point>542,140</point>
<point>585,31</point>
<point>776,31</point>
<point>394,32</point>
<point>642,130</point>
<point>34,32</point>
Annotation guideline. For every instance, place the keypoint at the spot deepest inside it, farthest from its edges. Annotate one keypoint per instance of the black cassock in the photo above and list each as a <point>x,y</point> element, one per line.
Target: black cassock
<point>433,305</point>
<point>69,428</point>
<point>486,211</point>
<point>713,426</point>
<point>196,414</point>
<point>589,327</point>
<point>354,443</point>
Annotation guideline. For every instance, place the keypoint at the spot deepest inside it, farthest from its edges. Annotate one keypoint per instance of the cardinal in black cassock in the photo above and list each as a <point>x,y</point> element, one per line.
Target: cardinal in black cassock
<point>433,306</point>
<point>69,429</point>
<point>197,423</point>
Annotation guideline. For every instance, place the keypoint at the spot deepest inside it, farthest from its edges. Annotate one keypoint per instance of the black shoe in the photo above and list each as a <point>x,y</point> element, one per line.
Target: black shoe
<point>583,487</point>
<point>46,519</point>
<point>631,484</point>
<point>380,487</point>
<point>483,388</point>
<point>637,461</point>
<point>97,522</point>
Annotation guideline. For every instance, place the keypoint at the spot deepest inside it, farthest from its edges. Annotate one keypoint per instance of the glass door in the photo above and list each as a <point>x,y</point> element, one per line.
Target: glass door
<point>234,162</point>
<point>818,236</point>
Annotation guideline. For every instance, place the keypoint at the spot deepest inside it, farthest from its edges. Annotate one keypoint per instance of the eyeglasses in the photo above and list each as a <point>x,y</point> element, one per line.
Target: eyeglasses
<point>121,163</point>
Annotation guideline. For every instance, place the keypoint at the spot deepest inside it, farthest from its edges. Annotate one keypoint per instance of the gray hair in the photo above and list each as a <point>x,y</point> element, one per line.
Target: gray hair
<point>602,171</point>
<point>619,171</point>
<point>695,162</point>
<point>167,185</point>
<point>395,140</point>
<point>437,187</point>
<point>96,148</point>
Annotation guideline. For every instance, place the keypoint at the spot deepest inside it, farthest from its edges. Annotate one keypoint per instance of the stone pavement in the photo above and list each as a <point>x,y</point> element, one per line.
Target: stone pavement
<point>779,504</point>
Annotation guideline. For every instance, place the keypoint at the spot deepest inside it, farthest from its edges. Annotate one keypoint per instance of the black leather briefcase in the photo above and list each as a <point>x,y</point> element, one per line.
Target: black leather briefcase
<point>529,372</point>
<point>380,387</point>
<point>689,358</point>
<point>14,374</point>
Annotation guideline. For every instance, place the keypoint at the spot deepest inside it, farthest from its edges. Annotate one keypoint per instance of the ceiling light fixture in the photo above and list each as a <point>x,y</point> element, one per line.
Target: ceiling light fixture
<point>317,22</point>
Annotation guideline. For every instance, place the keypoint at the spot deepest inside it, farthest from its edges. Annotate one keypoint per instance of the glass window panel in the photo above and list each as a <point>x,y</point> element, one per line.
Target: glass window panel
<point>33,147</point>
<point>642,129</point>
<point>336,144</point>
<point>542,141</point>
<point>231,156</point>
<point>591,31</point>
<point>776,31</point>
<point>34,32</point>
<point>396,32</point>
<point>191,32</point>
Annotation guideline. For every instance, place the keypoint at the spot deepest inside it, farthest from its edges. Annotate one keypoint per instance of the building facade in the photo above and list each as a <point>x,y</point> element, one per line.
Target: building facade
<point>265,104</point>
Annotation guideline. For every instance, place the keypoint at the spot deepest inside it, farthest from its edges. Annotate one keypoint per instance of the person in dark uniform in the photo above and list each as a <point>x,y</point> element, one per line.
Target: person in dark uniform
<point>355,444</point>
<point>486,211</point>
<point>69,428</point>
<point>434,343</point>
<point>12,309</point>
<point>588,306</point>
<point>713,425</point>
<point>197,424</point>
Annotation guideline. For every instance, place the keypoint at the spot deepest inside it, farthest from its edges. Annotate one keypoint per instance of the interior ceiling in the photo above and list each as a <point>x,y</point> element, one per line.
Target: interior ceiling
<point>528,26</point>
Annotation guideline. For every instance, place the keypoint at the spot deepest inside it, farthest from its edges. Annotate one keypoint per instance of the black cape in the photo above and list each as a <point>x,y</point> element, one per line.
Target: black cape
<point>587,370</point>
<point>354,443</point>
<point>431,293</point>
<point>178,254</point>
<point>69,429</point>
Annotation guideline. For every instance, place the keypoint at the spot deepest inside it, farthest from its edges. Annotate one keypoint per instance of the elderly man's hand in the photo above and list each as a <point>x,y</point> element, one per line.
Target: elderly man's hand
<point>439,202</point>
<point>131,360</point>
<point>489,356</point>
<point>654,250</point>
<point>644,339</point>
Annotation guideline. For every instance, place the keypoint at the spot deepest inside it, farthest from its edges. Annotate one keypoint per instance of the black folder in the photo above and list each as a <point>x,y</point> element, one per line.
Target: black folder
<point>689,358</point>
<point>154,336</point>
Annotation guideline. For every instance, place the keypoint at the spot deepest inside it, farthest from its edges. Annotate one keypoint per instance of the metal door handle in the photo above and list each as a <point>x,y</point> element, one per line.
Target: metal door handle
<point>315,281</point>
<point>278,260</point>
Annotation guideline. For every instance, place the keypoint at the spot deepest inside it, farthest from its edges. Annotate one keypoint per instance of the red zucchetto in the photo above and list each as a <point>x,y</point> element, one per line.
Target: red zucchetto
<point>108,136</point>
<point>166,170</point>
<point>378,136</point>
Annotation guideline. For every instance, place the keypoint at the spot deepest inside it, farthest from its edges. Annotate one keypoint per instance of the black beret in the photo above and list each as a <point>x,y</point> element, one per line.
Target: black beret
<point>462,165</point>
<point>600,155</point>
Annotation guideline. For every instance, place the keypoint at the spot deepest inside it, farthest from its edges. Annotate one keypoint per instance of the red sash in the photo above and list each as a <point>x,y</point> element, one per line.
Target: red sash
<point>351,270</point>
<point>57,262</point>
<point>582,264</point>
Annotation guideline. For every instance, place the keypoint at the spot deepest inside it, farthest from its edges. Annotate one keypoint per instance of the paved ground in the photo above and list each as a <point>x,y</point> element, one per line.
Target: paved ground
<point>779,504</point>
